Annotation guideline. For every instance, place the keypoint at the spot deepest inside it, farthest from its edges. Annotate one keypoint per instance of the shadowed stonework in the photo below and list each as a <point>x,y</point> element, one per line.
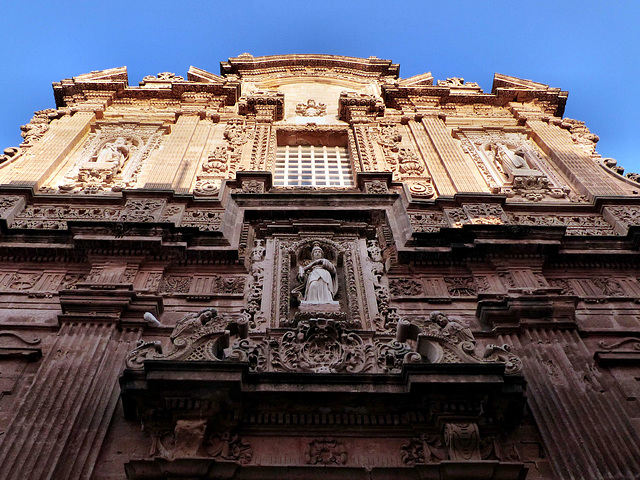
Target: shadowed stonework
<point>308,267</point>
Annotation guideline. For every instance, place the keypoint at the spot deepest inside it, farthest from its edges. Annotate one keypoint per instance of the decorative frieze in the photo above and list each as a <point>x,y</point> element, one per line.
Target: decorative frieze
<point>578,225</point>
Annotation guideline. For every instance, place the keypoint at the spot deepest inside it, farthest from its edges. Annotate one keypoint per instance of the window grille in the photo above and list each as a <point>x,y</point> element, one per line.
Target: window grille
<point>309,165</point>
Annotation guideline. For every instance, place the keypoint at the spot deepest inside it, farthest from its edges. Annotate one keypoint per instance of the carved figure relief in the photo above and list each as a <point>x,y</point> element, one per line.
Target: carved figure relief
<point>512,165</point>
<point>311,109</point>
<point>111,160</point>
<point>323,279</point>
<point>319,282</point>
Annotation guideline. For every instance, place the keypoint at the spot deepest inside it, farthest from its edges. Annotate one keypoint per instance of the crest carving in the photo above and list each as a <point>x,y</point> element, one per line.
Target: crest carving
<point>322,346</point>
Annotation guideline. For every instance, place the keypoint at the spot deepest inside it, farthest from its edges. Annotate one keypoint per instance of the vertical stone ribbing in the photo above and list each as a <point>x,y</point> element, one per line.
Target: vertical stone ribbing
<point>576,165</point>
<point>462,171</point>
<point>577,415</point>
<point>44,157</point>
<point>98,408</point>
<point>164,163</point>
<point>74,392</point>
<point>439,176</point>
<point>192,157</point>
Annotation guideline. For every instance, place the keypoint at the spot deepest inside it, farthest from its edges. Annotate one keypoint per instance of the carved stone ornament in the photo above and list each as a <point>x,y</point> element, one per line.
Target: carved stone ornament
<point>311,109</point>
<point>263,105</point>
<point>376,187</point>
<point>463,441</point>
<point>33,131</point>
<point>204,336</point>
<point>513,166</point>
<point>456,82</point>
<point>111,159</point>
<point>196,337</point>
<point>190,440</point>
<point>336,286</point>
<point>325,451</point>
<point>321,346</point>
<point>359,107</point>
<point>165,77</point>
<point>441,340</point>
<point>207,188</point>
<point>423,449</point>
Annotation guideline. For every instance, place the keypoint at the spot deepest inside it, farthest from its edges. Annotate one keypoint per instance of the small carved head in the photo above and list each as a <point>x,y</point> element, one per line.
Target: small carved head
<point>317,252</point>
<point>439,318</point>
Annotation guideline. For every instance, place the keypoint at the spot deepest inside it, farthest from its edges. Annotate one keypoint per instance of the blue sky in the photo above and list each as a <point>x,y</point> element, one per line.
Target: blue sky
<point>590,48</point>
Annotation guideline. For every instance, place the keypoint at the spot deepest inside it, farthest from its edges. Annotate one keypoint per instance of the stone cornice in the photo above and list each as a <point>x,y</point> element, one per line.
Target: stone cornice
<point>247,65</point>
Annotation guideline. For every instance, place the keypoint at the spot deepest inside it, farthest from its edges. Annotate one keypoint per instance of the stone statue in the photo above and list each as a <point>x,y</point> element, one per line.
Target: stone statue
<point>511,160</point>
<point>114,154</point>
<point>319,279</point>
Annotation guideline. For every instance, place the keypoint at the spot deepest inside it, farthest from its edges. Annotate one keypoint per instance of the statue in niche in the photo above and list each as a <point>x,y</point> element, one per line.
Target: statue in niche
<point>103,167</point>
<point>318,280</point>
<point>514,162</point>
<point>113,154</point>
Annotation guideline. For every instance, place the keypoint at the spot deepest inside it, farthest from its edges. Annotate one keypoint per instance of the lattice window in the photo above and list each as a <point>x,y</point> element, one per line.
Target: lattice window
<point>309,165</point>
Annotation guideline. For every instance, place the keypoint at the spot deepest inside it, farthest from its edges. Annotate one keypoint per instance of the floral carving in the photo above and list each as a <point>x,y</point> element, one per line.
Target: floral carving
<point>142,210</point>
<point>376,187</point>
<point>7,203</point>
<point>460,286</point>
<point>405,287</point>
<point>164,76</point>
<point>321,346</point>
<point>37,127</point>
<point>423,449</point>
<point>576,224</point>
<point>204,219</point>
<point>421,188</point>
<point>325,451</point>
<point>430,222</point>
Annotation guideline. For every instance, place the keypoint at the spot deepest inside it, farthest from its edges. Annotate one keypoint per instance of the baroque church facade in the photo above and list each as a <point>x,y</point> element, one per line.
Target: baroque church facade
<point>309,267</point>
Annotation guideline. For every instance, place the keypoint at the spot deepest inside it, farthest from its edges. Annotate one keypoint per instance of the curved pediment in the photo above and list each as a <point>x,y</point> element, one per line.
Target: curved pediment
<point>331,67</point>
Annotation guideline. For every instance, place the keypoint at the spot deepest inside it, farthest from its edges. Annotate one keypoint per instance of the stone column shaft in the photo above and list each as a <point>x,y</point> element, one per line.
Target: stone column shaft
<point>581,419</point>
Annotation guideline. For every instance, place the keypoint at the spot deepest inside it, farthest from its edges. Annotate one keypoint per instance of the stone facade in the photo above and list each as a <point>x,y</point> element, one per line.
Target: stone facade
<point>308,267</point>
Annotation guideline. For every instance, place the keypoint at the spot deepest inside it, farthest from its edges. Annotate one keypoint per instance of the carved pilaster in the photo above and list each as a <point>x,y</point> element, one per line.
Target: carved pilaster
<point>164,164</point>
<point>461,170</point>
<point>581,419</point>
<point>35,165</point>
<point>574,162</point>
<point>442,181</point>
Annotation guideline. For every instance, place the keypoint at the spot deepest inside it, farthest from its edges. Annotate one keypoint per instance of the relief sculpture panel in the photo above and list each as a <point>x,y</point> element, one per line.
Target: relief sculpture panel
<point>110,161</point>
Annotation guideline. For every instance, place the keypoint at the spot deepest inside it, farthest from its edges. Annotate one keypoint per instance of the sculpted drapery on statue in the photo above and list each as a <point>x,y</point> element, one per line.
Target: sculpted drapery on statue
<point>115,153</point>
<point>319,280</point>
